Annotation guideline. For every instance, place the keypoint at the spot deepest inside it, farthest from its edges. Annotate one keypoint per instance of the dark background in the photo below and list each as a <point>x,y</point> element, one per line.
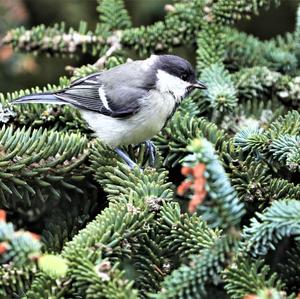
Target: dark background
<point>25,70</point>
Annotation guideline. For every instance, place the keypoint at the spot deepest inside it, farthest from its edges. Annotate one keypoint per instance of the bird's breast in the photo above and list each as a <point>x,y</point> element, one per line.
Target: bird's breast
<point>155,110</point>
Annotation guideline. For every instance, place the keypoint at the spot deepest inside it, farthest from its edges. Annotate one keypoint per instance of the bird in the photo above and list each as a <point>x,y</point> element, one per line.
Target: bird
<point>129,103</point>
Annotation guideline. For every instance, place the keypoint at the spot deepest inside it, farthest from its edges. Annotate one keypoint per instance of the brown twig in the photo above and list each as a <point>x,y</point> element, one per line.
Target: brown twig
<point>115,44</point>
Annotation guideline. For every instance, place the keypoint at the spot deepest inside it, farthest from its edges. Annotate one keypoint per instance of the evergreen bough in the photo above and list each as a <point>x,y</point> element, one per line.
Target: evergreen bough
<point>122,233</point>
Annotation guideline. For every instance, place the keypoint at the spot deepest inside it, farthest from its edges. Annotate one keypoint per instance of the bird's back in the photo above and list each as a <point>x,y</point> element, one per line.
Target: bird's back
<point>136,72</point>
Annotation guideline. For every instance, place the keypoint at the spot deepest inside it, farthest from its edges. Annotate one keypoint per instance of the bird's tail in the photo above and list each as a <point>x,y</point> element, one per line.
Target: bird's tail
<point>43,98</point>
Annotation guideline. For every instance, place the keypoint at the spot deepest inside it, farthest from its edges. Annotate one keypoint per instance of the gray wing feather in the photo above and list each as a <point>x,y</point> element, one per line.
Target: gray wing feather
<point>120,99</point>
<point>90,78</point>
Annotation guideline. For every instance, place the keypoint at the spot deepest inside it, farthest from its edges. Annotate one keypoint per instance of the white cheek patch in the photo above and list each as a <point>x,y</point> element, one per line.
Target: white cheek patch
<point>103,97</point>
<point>170,83</point>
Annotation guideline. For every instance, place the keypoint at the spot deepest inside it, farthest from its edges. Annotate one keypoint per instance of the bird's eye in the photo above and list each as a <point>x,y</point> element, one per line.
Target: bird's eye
<point>184,76</point>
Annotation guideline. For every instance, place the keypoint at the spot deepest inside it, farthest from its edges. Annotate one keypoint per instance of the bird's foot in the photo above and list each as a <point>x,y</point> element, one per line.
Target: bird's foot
<point>151,151</point>
<point>125,157</point>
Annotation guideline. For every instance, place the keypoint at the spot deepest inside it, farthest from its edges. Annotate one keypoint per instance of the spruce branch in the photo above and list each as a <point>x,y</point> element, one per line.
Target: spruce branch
<point>220,95</point>
<point>221,208</point>
<point>181,130</point>
<point>287,124</point>
<point>114,42</point>
<point>16,281</point>
<point>243,50</point>
<point>247,276</point>
<point>101,279</point>
<point>252,182</point>
<point>35,162</point>
<point>180,25</point>
<point>281,219</point>
<point>279,59</point>
<point>45,286</point>
<point>185,234</point>
<point>55,40</point>
<point>150,189</point>
<point>257,83</point>
<point>121,221</point>
<point>141,191</point>
<point>118,179</point>
<point>113,15</point>
<point>289,269</point>
<point>114,18</point>
<point>289,92</point>
<point>17,247</point>
<point>229,11</point>
<point>250,138</point>
<point>178,28</point>
<point>149,261</point>
<point>286,149</point>
<point>280,188</point>
<point>141,240</point>
<point>62,118</point>
<point>113,234</point>
<point>189,281</point>
<point>293,39</point>
<point>134,209</point>
<point>278,144</point>
<point>63,219</point>
<point>210,44</point>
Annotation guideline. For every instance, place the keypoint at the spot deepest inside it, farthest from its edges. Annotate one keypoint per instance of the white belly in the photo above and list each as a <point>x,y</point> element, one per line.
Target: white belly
<point>134,129</point>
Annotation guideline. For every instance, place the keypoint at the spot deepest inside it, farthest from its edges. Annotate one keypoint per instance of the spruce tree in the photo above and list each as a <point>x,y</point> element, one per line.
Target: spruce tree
<point>218,216</point>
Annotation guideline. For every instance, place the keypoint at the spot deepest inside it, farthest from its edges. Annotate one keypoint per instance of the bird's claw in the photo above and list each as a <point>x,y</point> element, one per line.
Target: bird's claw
<point>125,157</point>
<point>151,151</point>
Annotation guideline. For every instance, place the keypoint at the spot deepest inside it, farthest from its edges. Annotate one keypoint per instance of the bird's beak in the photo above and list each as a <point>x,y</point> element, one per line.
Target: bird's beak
<point>199,85</point>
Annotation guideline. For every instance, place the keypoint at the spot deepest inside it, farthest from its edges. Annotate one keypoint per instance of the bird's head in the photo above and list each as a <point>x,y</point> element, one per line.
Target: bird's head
<point>174,75</point>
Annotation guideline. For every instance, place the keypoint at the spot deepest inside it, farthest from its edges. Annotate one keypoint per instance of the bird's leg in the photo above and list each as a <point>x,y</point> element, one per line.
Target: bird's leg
<point>151,152</point>
<point>128,161</point>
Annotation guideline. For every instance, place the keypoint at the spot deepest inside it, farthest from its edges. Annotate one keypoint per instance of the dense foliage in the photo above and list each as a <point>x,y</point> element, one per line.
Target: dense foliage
<point>219,214</point>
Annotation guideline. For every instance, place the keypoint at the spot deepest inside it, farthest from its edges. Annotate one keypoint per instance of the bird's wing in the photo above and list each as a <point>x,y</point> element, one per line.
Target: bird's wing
<point>95,94</point>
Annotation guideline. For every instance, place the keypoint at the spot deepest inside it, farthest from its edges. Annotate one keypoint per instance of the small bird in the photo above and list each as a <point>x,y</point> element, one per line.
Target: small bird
<point>129,103</point>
